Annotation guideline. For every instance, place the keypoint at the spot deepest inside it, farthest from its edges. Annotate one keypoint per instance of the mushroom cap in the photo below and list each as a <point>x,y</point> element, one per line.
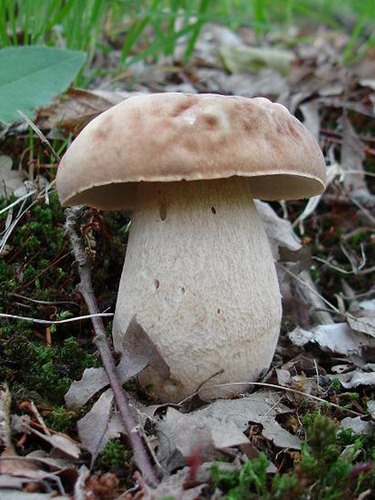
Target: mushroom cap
<point>173,136</point>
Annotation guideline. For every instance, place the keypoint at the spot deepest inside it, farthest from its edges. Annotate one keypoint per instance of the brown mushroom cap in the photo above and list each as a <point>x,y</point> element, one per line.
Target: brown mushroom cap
<point>173,136</point>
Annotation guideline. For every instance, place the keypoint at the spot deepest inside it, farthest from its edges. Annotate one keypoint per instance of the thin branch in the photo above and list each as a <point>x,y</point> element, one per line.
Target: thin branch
<point>281,387</point>
<point>48,302</point>
<point>18,201</point>
<point>73,216</point>
<point>57,322</point>
<point>315,292</point>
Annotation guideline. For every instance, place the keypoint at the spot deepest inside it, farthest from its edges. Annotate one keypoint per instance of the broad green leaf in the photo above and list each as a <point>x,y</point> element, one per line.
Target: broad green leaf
<point>31,76</point>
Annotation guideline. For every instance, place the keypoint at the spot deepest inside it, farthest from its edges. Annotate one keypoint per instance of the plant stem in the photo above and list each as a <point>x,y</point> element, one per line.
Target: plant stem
<point>73,217</point>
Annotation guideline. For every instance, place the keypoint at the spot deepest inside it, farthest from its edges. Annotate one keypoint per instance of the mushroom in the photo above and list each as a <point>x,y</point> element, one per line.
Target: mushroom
<point>199,274</point>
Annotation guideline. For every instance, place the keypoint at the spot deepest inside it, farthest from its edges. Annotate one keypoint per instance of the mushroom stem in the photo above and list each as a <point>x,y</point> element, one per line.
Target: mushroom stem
<point>200,277</point>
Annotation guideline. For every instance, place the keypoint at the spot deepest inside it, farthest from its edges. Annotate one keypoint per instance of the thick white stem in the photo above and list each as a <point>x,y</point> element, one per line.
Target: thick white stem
<point>200,277</point>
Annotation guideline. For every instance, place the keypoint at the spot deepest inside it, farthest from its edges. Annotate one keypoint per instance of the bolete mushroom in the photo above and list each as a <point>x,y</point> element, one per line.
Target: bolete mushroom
<point>199,274</point>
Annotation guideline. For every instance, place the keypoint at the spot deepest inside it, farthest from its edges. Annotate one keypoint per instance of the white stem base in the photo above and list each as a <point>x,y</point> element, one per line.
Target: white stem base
<point>200,277</point>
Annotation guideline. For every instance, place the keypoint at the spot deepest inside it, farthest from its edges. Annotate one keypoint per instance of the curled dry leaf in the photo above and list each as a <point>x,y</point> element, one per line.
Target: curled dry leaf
<point>77,107</point>
<point>364,376</point>
<point>279,231</point>
<point>357,425</point>
<point>60,442</point>
<point>337,337</point>
<point>92,428</point>
<point>221,425</point>
<point>365,324</point>
<point>139,352</point>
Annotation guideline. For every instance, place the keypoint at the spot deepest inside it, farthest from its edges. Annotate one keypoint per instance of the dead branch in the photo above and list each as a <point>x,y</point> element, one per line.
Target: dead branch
<point>73,217</point>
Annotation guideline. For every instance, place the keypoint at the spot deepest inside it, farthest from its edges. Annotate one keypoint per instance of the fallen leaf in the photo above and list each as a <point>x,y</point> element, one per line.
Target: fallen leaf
<point>357,378</point>
<point>16,465</point>
<point>357,425</point>
<point>279,231</point>
<point>138,352</point>
<point>368,82</point>
<point>9,481</point>
<point>5,428</point>
<point>10,180</point>
<point>60,442</point>
<point>10,494</point>
<point>352,158</point>
<point>100,425</point>
<point>367,305</point>
<point>93,426</point>
<point>266,83</point>
<point>243,58</point>
<point>55,463</point>
<point>371,408</point>
<point>362,324</point>
<point>310,111</point>
<point>337,337</point>
<point>176,486</point>
<point>77,107</point>
<point>221,425</point>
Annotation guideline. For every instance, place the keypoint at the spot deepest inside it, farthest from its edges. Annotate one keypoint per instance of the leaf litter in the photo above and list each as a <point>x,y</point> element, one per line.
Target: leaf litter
<point>323,345</point>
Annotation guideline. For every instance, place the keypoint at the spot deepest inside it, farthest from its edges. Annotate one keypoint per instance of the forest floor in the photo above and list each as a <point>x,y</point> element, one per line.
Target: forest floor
<point>307,429</point>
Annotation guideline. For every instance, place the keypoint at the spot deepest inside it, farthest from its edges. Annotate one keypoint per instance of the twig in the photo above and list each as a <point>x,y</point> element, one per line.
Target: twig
<point>57,322</point>
<point>47,302</point>
<point>283,388</point>
<point>73,216</point>
<point>18,201</point>
<point>311,289</point>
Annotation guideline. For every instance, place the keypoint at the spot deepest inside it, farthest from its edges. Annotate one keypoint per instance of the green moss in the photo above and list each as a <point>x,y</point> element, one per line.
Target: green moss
<point>247,482</point>
<point>60,419</point>
<point>34,367</point>
<point>114,455</point>
<point>323,472</point>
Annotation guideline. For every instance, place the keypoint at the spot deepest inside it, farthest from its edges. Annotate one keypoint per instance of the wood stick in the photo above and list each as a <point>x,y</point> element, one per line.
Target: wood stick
<point>73,217</point>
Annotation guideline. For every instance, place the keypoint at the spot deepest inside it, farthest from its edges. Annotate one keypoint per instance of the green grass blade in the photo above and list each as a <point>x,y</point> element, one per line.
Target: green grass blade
<point>203,7</point>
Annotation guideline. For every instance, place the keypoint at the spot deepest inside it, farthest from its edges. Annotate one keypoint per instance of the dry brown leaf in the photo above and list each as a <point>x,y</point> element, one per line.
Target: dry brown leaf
<point>363,324</point>
<point>358,377</point>
<point>93,427</point>
<point>357,425</point>
<point>100,425</point>
<point>279,231</point>
<point>61,442</point>
<point>337,337</point>
<point>139,351</point>
<point>77,107</point>
<point>221,425</point>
